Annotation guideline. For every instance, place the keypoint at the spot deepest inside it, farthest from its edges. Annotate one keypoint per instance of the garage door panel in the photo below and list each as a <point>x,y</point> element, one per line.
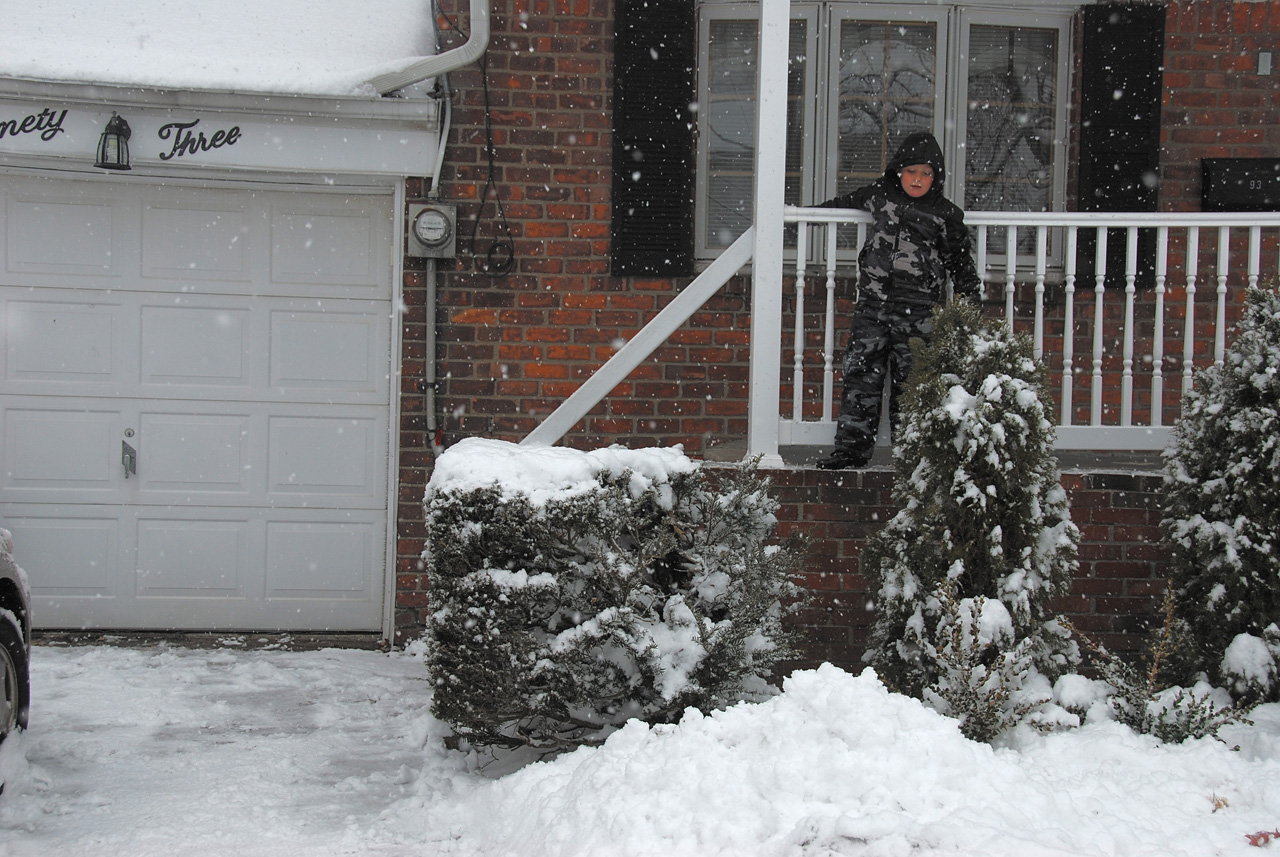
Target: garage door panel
<point>138,237</point>
<point>327,350</point>
<point>59,452</point>
<point>191,559</point>
<point>332,246</point>
<point>73,236</point>
<point>197,243</point>
<point>194,453</point>
<point>196,345</point>
<point>320,559</point>
<point>333,460</point>
<point>288,570</point>
<point>76,555</point>
<point>56,342</point>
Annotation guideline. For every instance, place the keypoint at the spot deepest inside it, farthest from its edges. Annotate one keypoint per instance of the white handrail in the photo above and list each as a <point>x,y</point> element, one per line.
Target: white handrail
<point>645,342</point>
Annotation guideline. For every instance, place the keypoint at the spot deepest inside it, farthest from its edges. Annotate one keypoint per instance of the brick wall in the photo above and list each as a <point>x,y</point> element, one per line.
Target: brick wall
<point>1117,591</point>
<point>515,345</point>
<point>1216,105</point>
<point>512,347</point>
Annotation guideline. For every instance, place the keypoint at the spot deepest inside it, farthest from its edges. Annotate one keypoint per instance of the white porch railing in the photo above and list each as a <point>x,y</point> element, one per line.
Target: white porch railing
<point>1107,345</point>
<point>1127,331</point>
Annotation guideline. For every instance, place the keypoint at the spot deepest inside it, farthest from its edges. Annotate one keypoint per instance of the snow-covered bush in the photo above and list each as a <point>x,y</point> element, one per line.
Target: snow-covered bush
<point>1222,497</point>
<point>1144,694</point>
<point>979,666</point>
<point>1251,665</point>
<point>573,591</point>
<point>984,516</point>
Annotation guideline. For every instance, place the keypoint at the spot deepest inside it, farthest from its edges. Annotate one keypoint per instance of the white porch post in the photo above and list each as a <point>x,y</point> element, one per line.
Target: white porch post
<point>766,276</point>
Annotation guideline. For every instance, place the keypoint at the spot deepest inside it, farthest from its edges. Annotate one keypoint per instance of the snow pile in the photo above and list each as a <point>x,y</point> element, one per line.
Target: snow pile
<point>157,752</point>
<point>838,765</point>
<point>315,47</point>
<point>546,473</point>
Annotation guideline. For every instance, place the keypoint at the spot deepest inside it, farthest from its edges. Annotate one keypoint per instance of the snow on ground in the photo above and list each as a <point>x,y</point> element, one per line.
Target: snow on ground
<point>171,751</point>
<point>317,47</point>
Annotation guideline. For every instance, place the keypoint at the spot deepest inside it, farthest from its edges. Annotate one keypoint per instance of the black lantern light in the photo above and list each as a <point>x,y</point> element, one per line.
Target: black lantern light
<point>113,148</point>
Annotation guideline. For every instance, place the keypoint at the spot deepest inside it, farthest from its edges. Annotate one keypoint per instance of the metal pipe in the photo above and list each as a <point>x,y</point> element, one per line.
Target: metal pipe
<point>430,340</point>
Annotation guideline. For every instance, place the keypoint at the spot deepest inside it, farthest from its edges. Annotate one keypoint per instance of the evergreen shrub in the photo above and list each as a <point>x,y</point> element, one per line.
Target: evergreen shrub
<point>1145,696</point>
<point>983,539</point>
<point>1222,507</point>
<point>560,614</point>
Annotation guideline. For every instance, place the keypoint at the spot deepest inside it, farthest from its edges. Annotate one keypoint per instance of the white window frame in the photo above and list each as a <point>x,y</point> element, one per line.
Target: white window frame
<point>740,11</point>
<point>838,13</point>
<point>954,21</point>
<point>1047,20</point>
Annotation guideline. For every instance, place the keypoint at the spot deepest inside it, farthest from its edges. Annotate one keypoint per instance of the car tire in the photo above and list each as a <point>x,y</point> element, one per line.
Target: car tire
<point>14,671</point>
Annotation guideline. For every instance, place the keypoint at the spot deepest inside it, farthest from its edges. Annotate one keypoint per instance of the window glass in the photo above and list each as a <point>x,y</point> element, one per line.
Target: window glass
<point>1010,120</point>
<point>886,91</point>
<point>989,83</point>
<point>730,108</point>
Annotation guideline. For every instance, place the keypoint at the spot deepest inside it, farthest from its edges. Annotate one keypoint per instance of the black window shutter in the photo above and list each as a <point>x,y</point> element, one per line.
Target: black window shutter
<point>653,143</point>
<point>1121,85</point>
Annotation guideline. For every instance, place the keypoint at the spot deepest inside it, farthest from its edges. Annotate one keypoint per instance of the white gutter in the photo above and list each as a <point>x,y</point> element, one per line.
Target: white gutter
<point>446,62</point>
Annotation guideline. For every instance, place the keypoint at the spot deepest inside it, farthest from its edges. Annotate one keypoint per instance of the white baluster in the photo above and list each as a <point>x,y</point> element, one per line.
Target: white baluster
<point>829,337</point>
<point>797,361</point>
<point>1130,288</point>
<point>1010,272</point>
<point>1099,290</point>
<point>1157,345</point>
<point>1255,255</point>
<point>1068,328</point>
<point>1224,263</point>
<point>982,258</point>
<point>1042,249</point>
<point>1189,325</point>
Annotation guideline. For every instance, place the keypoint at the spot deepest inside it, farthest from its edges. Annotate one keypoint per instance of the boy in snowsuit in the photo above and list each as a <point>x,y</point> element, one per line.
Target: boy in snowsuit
<point>916,239</point>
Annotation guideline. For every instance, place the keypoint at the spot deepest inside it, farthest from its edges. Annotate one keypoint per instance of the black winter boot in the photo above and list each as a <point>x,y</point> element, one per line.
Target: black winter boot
<point>843,459</point>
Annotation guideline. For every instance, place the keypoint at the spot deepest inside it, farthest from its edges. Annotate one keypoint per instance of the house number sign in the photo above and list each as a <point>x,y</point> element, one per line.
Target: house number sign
<point>47,123</point>
<point>361,140</point>
<point>188,141</point>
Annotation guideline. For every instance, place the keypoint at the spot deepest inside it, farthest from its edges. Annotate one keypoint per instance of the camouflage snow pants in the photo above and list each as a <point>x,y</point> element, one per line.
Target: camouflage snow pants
<point>879,345</point>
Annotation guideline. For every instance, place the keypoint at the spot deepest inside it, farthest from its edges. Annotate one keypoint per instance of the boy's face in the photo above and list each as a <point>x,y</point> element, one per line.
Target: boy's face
<point>916,180</point>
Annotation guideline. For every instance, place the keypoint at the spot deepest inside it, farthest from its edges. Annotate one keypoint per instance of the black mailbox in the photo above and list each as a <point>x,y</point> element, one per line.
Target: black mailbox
<point>1240,184</point>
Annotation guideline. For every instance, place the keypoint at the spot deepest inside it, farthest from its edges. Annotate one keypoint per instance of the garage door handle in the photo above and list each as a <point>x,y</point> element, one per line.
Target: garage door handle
<point>129,458</point>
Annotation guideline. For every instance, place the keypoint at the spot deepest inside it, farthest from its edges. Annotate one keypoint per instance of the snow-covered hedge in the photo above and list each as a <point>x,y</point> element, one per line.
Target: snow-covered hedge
<point>984,540</point>
<point>1222,507</point>
<point>572,591</point>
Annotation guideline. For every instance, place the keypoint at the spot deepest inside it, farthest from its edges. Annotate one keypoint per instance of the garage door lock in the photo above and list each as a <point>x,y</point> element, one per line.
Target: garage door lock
<point>129,458</point>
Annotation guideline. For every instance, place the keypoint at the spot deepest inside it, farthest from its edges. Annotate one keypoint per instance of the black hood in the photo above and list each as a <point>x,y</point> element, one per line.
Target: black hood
<point>919,148</point>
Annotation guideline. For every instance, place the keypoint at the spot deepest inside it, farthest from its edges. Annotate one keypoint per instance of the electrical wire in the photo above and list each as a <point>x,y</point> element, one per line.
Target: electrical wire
<point>501,256</point>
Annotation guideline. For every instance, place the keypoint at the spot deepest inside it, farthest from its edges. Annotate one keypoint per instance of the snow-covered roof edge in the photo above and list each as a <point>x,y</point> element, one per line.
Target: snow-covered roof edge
<point>370,107</point>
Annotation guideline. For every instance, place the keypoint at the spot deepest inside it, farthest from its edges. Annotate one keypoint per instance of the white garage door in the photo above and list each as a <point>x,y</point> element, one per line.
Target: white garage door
<point>196,395</point>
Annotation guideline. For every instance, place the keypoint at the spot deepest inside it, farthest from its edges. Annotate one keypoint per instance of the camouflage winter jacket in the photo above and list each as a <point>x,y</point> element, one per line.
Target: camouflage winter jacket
<point>912,244</point>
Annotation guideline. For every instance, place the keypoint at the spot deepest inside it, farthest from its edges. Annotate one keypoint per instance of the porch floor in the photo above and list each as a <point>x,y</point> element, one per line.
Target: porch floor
<point>1069,460</point>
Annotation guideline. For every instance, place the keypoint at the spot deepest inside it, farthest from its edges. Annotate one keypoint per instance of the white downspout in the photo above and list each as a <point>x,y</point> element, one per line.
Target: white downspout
<point>456,58</point>
<point>438,65</point>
